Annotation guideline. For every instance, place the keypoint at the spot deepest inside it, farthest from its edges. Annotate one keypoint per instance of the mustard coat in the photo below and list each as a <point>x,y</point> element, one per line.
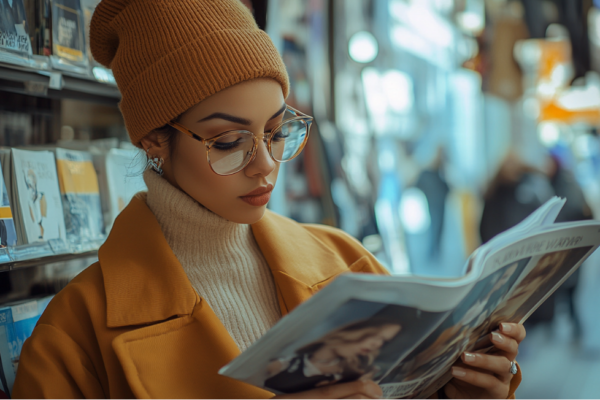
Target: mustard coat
<point>131,325</point>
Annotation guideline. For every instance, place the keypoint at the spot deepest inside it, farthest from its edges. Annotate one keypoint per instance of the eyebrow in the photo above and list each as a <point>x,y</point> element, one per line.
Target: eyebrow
<point>239,120</point>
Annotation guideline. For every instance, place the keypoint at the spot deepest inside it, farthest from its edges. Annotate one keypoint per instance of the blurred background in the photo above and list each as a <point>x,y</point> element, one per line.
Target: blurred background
<point>439,123</point>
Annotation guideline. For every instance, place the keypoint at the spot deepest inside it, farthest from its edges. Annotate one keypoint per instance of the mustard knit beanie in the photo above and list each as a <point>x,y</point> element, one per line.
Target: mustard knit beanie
<point>168,55</point>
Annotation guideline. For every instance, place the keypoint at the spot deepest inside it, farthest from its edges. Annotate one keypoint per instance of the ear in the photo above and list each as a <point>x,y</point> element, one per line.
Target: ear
<point>155,145</point>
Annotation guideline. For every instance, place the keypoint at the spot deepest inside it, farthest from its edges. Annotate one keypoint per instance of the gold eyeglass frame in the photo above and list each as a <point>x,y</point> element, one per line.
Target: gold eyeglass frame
<point>299,116</point>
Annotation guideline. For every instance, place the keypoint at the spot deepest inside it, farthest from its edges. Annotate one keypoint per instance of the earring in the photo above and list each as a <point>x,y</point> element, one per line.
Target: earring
<point>154,163</point>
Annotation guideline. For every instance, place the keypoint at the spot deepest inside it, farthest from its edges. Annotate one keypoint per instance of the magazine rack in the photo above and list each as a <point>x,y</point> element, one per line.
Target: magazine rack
<point>46,252</point>
<point>48,77</point>
<point>36,77</point>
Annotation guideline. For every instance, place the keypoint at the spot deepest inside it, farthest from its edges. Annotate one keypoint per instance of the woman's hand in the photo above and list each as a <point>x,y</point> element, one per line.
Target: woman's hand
<point>352,390</point>
<point>487,376</point>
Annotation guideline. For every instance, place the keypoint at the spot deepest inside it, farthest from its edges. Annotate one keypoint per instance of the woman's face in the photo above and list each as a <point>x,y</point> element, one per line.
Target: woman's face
<point>255,106</point>
<point>371,340</point>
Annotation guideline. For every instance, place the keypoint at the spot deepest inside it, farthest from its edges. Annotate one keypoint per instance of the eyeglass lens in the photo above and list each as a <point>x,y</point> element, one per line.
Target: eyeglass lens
<point>232,152</point>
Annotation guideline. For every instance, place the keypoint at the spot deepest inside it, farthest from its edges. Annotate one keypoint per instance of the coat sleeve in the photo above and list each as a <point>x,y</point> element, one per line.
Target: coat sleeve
<point>52,365</point>
<point>62,357</point>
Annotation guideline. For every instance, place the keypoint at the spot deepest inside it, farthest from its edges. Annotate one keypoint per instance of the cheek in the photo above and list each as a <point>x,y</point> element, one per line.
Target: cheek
<point>272,178</point>
<point>189,162</point>
<point>193,174</point>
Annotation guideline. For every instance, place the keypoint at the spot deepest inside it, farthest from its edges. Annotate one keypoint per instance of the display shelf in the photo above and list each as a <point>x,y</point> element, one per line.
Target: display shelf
<point>56,84</point>
<point>12,258</point>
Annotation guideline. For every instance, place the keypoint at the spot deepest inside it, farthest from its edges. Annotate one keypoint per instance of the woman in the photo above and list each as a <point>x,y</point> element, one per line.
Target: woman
<point>343,355</point>
<point>196,269</point>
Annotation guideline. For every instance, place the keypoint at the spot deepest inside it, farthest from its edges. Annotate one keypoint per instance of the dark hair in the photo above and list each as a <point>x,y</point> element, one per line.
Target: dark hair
<point>169,135</point>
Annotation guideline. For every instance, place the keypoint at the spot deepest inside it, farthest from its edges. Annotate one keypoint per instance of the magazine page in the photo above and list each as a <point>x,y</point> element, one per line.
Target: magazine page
<point>358,326</point>
<point>544,216</point>
<point>80,195</point>
<point>440,350</point>
<point>557,254</point>
<point>550,258</point>
<point>40,204</point>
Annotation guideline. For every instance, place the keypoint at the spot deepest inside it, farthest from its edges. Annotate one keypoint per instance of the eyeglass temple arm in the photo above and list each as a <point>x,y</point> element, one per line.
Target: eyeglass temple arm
<point>186,131</point>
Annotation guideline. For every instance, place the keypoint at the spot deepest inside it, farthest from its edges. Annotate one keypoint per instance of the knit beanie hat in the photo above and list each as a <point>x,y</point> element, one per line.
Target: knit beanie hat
<point>168,55</point>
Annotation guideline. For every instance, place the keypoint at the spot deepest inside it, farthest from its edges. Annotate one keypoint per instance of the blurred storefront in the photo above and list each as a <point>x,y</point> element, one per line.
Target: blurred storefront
<point>444,122</point>
<point>424,107</point>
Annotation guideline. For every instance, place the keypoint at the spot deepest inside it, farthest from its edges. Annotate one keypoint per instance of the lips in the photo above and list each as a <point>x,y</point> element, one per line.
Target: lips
<point>259,191</point>
<point>258,197</point>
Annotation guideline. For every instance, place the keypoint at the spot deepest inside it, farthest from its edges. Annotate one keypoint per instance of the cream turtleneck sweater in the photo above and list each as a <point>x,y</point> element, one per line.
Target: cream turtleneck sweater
<point>221,259</point>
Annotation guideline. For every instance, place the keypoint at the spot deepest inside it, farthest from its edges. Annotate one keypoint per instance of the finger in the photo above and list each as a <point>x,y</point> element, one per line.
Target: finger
<point>499,365</point>
<point>479,379</point>
<point>506,344</point>
<point>515,331</point>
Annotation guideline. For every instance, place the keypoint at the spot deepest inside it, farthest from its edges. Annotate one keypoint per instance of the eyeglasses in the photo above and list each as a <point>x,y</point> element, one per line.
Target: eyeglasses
<point>230,152</point>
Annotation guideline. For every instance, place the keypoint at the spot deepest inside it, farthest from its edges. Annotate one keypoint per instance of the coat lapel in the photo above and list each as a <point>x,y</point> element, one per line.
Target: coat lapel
<point>143,280</point>
<point>176,344</point>
<point>301,264</point>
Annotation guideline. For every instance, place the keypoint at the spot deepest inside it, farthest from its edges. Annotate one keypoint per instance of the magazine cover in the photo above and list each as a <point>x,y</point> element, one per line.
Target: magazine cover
<point>80,195</point>
<point>39,200</point>
<point>124,178</point>
<point>67,31</point>
<point>16,325</point>
<point>405,332</point>
<point>7,376</point>
<point>88,9</point>
<point>8,235</point>
<point>14,27</point>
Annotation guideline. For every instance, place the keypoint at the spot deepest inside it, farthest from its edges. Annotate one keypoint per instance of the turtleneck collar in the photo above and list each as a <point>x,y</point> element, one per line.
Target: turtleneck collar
<point>177,212</point>
<point>220,258</point>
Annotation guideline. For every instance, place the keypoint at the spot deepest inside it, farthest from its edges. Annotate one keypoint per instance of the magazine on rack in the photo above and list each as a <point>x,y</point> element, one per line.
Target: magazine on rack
<point>17,321</point>
<point>80,195</point>
<point>34,195</point>
<point>68,40</point>
<point>405,332</point>
<point>120,178</point>
<point>8,234</point>
<point>13,27</point>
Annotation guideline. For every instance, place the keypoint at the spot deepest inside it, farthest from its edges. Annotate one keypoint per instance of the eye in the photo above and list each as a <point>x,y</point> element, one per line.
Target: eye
<point>281,134</point>
<point>224,146</point>
<point>232,141</point>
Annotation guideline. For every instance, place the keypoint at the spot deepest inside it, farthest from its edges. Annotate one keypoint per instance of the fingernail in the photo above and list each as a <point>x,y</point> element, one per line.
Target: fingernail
<point>496,337</point>
<point>458,372</point>
<point>506,327</point>
<point>469,357</point>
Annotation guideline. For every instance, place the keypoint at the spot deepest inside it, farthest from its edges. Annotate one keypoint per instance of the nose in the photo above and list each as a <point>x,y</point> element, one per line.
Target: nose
<point>262,164</point>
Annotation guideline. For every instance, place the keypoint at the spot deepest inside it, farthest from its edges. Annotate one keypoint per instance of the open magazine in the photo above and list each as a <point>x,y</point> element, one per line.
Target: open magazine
<point>405,332</point>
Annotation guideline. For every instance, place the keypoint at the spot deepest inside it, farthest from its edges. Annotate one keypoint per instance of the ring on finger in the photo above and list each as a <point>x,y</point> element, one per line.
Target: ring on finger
<point>513,368</point>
